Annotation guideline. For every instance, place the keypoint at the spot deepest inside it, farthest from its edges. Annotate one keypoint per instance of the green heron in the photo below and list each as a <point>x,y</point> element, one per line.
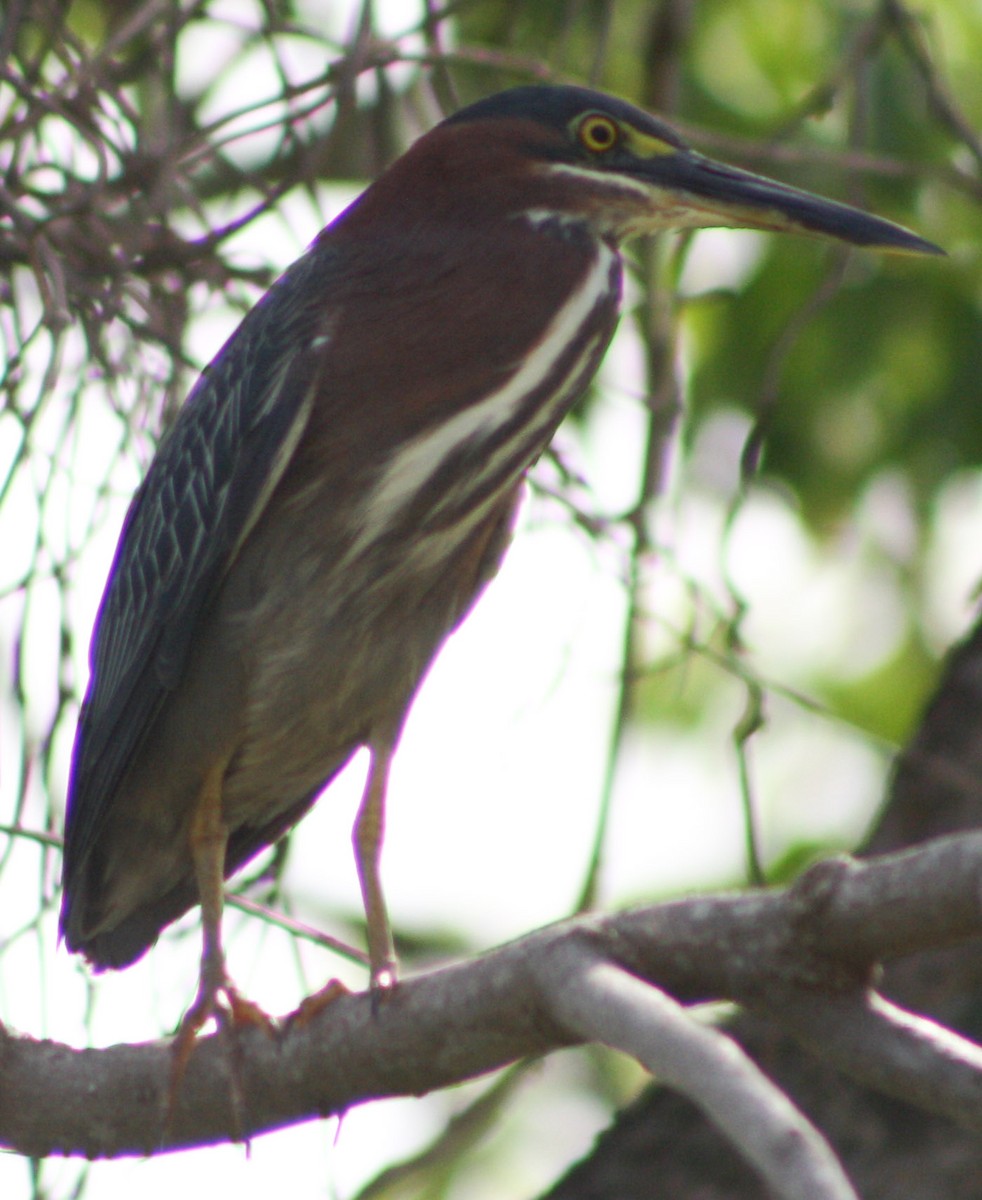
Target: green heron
<point>340,486</point>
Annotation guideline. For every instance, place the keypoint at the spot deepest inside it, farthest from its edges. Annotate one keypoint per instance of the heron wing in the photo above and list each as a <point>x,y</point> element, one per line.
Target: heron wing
<point>207,486</point>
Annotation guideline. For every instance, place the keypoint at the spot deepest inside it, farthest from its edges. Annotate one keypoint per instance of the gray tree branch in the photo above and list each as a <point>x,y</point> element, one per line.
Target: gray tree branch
<point>802,957</point>
<point>604,1003</point>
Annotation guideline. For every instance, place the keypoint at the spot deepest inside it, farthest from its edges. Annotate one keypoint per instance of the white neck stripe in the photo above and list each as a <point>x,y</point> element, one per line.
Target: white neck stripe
<point>412,464</point>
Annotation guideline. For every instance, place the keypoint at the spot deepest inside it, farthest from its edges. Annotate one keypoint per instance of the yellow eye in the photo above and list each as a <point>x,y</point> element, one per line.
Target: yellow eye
<point>598,133</point>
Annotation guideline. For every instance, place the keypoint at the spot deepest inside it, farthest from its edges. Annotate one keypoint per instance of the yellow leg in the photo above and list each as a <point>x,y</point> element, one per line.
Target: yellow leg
<point>369,831</point>
<point>209,837</point>
<point>217,996</point>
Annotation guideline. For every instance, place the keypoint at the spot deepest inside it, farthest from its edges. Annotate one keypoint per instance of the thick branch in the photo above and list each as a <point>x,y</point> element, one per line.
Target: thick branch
<point>792,955</point>
<point>909,1057</point>
<point>603,1003</point>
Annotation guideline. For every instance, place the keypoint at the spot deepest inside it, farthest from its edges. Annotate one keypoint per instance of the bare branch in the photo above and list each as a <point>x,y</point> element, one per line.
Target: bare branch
<point>891,1050</point>
<point>604,1003</point>
<point>801,956</point>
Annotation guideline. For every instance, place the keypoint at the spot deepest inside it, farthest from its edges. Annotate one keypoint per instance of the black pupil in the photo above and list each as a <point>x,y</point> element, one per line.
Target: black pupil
<point>600,133</point>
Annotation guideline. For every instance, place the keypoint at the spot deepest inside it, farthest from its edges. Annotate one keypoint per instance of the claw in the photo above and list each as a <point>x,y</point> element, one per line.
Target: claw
<point>220,1000</point>
<point>311,1006</point>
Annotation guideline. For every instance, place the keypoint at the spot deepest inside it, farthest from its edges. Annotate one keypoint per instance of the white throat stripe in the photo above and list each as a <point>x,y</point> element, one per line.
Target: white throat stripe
<point>420,458</point>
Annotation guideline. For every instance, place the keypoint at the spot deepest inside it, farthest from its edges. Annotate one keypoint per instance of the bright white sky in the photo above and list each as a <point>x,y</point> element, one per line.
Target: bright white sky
<point>493,797</point>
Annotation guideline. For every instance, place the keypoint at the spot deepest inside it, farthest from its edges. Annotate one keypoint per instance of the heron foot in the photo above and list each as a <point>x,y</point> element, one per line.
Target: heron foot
<point>220,1000</point>
<point>313,1005</point>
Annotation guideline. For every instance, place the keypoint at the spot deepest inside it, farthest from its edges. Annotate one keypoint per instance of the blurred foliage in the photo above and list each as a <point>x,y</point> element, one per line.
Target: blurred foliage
<point>901,678</point>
